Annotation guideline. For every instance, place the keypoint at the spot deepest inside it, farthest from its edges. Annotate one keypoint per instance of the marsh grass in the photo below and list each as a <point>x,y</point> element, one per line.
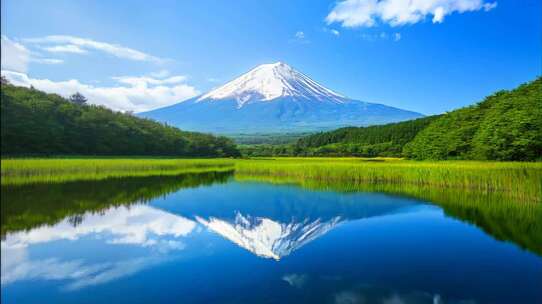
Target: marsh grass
<point>518,181</point>
<point>24,171</point>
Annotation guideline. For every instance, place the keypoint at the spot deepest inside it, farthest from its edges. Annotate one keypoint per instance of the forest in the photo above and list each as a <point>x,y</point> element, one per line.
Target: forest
<point>34,123</point>
<point>505,126</point>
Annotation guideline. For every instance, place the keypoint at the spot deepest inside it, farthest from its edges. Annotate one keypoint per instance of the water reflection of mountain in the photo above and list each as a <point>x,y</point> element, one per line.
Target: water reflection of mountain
<point>500,216</point>
<point>28,206</point>
<point>273,221</point>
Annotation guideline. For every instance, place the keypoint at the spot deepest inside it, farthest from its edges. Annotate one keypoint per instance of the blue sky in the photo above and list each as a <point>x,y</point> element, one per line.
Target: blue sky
<point>430,57</point>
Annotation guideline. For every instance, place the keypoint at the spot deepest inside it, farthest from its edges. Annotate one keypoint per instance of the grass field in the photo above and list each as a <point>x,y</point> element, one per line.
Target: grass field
<point>521,181</point>
<point>23,171</point>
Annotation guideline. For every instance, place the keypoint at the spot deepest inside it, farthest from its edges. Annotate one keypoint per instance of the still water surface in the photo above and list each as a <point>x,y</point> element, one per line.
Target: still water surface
<point>211,239</point>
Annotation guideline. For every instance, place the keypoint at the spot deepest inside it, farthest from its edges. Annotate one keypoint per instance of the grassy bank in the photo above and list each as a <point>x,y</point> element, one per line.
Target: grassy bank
<point>517,180</point>
<point>23,171</point>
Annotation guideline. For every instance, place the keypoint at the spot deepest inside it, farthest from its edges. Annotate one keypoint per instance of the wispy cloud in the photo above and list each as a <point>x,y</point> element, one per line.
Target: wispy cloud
<point>300,37</point>
<point>64,43</point>
<point>366,13</point>
<point>46,60</point>
<point>381,36</point>
<point>332,31</point>
<point>16,57</point>
<point>68,48</point>
<point>131,93</point>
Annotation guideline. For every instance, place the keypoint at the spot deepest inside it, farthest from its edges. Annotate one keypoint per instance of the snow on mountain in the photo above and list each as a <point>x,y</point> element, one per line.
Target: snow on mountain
<point>270,81</point>
<point>267,238</point>
<point>274,98</point>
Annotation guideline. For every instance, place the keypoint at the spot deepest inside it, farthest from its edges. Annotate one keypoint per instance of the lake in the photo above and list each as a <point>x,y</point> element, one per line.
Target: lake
<point>215,238</point>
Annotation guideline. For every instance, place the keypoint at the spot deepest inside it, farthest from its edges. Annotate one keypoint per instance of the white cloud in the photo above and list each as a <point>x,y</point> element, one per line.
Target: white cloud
<point>143,81</point>
<point>64,42</point>
<point>490,6</point>
<point>68,48</point>
<point>130,94</point>
<point>300,37</point>
<point>141,225</point>
<point>15,56</point>
<point>366,13</point>
<point>76,273</point>
<point>332,31</point>
<point>137,225</point>
<point>382,36</point>
<point>46,60</point>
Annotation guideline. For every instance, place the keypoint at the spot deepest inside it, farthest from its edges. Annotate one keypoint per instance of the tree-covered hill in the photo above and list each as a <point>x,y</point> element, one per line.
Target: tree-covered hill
<point>379,140</point>
<point>36,123</point>
<point>505,126</point>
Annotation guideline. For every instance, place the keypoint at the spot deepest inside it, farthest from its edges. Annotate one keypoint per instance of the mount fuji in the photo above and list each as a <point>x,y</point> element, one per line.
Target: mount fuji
<point>274,98</point>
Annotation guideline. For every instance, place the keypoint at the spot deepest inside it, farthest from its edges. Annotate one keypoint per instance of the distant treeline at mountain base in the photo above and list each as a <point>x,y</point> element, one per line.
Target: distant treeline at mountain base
<point>34,123</point>
<point>505,126</point>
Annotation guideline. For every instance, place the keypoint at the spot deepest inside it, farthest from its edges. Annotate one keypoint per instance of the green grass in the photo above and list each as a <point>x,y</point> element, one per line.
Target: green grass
<point>520,181</point>
<point>23,171</point>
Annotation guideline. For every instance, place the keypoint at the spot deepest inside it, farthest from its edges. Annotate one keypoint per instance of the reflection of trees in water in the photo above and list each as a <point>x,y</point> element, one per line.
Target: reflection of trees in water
<point>75,220</point>
<point>500,216</point>
<point>29,206</point>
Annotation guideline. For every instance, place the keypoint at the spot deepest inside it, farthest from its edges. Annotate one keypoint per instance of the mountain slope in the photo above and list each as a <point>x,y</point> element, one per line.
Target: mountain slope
<point>505,126</point>
<point>274,98</point>
<point>36,123</point>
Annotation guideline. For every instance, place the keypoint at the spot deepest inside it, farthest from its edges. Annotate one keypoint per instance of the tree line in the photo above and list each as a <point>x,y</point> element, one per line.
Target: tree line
<point>36,123</point>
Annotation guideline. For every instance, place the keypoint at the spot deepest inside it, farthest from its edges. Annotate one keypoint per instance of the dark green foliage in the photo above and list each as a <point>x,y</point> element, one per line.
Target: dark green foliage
<point>380,140</point>
<point>27,206</point>
<point>36,123</point>
<point>78,98</point>
<point>265,150</point>
<point>505,126</point>
<point>267,138</point>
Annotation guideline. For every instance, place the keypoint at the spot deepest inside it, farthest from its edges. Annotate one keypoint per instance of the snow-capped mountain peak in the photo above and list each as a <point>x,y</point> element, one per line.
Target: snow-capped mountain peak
<point>270,81</point>
<point>268,238</point>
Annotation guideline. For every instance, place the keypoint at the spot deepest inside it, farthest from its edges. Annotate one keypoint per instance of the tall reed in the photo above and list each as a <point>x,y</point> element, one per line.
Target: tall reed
<point>517,180</point>
<point>22,171</point>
